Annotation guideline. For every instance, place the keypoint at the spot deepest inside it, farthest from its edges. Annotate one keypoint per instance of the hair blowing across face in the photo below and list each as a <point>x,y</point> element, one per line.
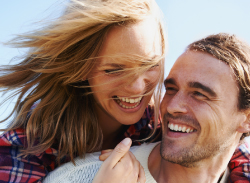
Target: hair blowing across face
<point>61,55</point>
<point>236,54</point>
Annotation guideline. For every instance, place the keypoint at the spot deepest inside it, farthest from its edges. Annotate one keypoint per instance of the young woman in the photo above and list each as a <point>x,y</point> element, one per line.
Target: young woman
<point>85,84</point>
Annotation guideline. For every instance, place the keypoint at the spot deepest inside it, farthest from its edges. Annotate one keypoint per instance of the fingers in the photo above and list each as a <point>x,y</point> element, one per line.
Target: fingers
<point>120,166</point>
<point>130,167</point>
<point>141,176</point>
<point>120,150</point>
<point>104,156</point>
<point>106,151</point>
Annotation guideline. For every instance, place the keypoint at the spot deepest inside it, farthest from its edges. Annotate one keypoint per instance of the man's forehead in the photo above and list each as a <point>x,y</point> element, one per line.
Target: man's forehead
<point>199,64</point>
<point>199,67</point>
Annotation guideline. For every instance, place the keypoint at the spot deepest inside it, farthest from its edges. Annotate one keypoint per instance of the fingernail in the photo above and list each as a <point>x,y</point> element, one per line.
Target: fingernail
<point>126,141</point>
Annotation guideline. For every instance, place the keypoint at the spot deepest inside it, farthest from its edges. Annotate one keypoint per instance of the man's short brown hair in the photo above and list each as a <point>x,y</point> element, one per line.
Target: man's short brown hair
<point>235,53</point>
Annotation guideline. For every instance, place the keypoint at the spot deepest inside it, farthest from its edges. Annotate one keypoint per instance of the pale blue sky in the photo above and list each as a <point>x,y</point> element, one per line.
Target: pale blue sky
<point>186,21</point>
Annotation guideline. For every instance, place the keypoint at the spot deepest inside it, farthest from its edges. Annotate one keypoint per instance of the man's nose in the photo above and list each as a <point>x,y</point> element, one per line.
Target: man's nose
<point>174,104</point>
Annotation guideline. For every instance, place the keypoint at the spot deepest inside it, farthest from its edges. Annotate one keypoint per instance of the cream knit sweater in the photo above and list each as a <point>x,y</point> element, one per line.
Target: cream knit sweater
<point>86,168</point>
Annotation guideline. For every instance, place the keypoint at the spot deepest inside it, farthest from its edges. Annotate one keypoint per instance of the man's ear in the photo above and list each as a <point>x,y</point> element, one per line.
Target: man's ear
<point>245,124</point>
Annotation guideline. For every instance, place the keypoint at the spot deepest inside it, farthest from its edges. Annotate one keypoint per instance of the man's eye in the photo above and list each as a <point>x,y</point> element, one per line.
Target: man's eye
<point>170,90</point>
<point>198,94</point>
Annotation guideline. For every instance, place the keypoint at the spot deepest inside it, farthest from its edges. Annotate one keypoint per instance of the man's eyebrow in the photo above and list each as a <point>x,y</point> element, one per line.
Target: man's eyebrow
<point>169,81</point>
<point>202,87</point>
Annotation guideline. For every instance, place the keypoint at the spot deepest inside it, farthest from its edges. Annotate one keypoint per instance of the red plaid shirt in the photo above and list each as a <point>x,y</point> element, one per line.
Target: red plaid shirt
<point>239,165</point>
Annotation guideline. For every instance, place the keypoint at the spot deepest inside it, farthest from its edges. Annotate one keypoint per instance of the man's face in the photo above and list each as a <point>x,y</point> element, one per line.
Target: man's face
<point>199,109</point>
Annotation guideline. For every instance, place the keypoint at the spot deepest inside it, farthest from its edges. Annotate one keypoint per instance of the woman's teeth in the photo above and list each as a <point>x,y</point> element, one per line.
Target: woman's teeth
<point>129,101</point>
<point>180,128</point>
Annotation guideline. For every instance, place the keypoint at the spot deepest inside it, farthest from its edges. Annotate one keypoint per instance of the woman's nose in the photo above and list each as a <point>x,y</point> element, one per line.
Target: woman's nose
<point>136,85</point>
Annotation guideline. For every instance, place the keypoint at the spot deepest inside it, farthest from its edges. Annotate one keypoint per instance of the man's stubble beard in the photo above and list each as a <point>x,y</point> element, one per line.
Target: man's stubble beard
<point>191,156</point>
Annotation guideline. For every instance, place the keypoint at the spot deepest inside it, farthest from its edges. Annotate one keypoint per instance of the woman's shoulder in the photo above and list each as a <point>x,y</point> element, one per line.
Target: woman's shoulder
<point>15,137</point>
<point>30,167</point>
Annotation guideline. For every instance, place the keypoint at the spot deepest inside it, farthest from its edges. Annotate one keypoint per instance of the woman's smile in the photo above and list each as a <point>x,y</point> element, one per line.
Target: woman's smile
<point>127,102</point>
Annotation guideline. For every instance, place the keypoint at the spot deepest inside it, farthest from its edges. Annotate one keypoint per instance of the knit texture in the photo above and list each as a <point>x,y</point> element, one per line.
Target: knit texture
<point>85,169</point>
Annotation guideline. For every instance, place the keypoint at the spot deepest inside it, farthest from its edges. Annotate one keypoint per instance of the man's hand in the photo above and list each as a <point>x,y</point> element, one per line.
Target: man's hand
<point>120,166</point>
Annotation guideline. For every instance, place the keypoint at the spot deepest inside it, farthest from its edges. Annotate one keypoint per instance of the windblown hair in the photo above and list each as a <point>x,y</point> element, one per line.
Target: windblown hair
<point>62,54</point>
<point>235,53</point>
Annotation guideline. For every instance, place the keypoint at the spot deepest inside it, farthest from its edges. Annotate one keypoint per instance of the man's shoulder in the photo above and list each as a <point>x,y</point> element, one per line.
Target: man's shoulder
<point>84,169</point>
<point>239,164</point>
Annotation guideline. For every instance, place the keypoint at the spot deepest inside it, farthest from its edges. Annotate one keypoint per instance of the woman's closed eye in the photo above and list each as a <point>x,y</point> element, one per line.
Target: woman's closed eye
<point>113,71</point>
<point>154,66</point>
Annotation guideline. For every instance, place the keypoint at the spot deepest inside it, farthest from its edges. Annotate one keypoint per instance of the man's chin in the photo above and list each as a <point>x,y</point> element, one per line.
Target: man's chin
<point>187,157</point>
<point>180,157</point>
<point>186,162</point>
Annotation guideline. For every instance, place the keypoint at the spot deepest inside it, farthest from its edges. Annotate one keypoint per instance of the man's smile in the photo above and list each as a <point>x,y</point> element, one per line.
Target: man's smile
<point>180,128</point>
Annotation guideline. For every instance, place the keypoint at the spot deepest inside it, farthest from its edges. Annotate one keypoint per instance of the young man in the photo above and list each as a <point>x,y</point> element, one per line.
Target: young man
<point>205,111</point>
<point>206,115</point>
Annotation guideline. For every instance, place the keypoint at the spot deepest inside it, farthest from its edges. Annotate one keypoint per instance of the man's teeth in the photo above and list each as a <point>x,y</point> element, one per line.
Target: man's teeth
<point>179,128</point>
<point>130,100</point>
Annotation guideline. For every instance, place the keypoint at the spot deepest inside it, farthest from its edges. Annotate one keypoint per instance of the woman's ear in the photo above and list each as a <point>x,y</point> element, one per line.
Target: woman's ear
<point>86,77</point>
<point>245,124</point>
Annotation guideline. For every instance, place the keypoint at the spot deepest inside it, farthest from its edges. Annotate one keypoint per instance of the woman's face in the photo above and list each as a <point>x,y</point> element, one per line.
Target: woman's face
<point>122,99</point>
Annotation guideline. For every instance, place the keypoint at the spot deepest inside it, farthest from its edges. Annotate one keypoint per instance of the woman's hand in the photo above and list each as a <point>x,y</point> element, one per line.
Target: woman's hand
<point>120,166</point>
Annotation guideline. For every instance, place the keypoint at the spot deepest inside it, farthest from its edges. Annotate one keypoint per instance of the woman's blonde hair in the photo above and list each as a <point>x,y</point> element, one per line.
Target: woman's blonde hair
<point>61,55</point>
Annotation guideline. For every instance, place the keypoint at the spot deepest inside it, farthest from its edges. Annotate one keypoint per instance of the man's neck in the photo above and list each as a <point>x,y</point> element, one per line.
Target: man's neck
<point>209,170</point>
